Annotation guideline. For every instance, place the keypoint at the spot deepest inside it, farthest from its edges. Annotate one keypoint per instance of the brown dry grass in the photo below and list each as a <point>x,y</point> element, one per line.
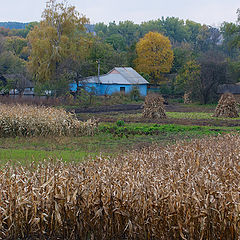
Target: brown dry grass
<point>35,100</point>
<point>24,120</point>
<point>187,191</point>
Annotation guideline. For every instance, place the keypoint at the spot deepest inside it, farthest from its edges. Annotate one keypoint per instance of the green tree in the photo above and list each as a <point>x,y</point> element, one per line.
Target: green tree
<point>182,54</point>
<point>117,41</point>
<point>188,80</point>
<point>101,30</point>
<point>175,29</point>
<point>11,67</point>
<point>231,34</point>
<point>213,72</point>
<point>130,31</point>
<point>16,45</point>
<point>193,30</point>
<point>231,44</point>
<point>108,57</point>
<point>202,77</point>
<point>208,39</point>
<point>154,55</point>
<point>234,70</point>
<point>151,26</point>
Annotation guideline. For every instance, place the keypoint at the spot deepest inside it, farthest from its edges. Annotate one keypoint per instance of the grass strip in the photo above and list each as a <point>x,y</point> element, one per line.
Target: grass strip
<point>195,115</point>
<point>27,156</point>
<point>155,129</point>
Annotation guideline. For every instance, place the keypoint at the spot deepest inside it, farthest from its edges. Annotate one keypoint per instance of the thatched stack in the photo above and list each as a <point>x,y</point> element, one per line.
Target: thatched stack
<point>187,98</point>
<point>226,107</point>
<point>153,107</point>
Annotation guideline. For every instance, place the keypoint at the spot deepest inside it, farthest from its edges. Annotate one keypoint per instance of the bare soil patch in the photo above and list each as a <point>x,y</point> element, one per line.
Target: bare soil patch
<point>108,114</point>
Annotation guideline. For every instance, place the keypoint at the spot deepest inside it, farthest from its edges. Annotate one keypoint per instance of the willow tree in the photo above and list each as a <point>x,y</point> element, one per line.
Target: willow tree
<point>59,36</point>
<point>154,55</point>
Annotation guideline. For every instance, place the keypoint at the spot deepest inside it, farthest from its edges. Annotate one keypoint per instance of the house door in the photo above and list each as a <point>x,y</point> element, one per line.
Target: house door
<point>122,89</point>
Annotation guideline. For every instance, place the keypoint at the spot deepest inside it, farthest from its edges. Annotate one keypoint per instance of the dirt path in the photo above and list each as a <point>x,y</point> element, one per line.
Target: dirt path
<point>188,108</point>
<point>134,107</point>
<point>112,108</point>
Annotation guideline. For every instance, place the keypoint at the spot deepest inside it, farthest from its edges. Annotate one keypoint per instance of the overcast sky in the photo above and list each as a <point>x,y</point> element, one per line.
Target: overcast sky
<point>211,12</point>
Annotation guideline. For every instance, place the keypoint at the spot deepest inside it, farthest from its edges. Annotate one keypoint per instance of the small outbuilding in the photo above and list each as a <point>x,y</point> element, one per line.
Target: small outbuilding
<point>119,79</point>
<point>230,88</point>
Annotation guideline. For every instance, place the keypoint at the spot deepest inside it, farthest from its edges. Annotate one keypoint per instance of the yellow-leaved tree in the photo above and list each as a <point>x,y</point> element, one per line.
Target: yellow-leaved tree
<point>154,55</point>
<point>60,35</point>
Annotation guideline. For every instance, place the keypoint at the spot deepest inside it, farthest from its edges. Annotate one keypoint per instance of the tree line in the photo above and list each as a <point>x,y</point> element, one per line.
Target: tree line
<point>13,25</point>
<point>180,56</point>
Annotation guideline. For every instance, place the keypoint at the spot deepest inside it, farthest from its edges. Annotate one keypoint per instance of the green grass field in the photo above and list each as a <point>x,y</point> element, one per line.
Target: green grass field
<point>112,139</point>
<point>195,115</point>
<point>28,155</point>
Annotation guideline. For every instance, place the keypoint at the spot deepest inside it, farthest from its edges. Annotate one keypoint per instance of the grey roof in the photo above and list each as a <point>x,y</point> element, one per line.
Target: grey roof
<point>231,88</point>
<point>25,82</point>
<point>131,75</point>
<point>125,76</point>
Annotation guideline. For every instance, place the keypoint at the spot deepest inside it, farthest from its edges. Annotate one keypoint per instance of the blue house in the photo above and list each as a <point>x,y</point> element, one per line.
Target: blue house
<point>119,79</point>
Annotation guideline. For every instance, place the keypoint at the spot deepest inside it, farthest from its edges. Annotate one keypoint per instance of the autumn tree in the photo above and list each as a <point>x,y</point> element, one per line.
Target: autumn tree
<point>16,45</point>
<point>59,36</point>
<point>154,55</point>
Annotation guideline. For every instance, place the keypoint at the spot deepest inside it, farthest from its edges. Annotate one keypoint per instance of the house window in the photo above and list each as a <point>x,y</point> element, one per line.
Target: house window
<point>122,89</point>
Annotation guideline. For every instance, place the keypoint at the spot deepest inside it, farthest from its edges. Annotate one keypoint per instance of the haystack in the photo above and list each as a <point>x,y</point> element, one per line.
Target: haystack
<point>187,98</point>
<point>227,106</point>
<point>153,107</point>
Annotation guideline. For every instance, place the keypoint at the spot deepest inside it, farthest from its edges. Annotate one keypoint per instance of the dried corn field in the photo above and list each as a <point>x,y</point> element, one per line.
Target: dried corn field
<point>24,120</point>
<point>190,190</point>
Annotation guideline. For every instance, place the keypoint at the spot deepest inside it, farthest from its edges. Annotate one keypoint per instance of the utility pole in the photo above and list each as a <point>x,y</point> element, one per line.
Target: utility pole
<point>98,62</point>
<point>98,85</point>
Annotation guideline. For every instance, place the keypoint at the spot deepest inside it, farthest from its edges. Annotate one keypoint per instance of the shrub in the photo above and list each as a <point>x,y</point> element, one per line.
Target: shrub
<point>120,123</point>
<point>32,100</point>
<point>135,93</point>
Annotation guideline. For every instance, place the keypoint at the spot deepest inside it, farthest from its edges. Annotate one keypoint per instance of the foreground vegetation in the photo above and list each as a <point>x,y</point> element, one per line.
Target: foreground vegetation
<point>138,180</point>
<point>189,190</point>
<point>24,120</point>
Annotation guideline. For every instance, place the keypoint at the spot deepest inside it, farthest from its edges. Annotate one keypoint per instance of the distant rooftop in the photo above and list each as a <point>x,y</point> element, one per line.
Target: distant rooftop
<point>231,88</point>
